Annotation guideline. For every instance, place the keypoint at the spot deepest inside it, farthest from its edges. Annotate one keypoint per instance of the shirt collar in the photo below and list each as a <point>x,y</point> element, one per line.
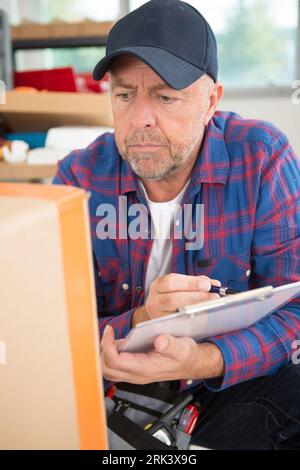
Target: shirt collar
<point>212,164</point>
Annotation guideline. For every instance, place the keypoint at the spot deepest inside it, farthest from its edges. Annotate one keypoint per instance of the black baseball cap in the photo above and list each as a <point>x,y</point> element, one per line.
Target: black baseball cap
<point>170,36</point>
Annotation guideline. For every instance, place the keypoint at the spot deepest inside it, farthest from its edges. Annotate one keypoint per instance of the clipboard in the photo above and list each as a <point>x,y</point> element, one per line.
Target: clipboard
<point>204,320</point>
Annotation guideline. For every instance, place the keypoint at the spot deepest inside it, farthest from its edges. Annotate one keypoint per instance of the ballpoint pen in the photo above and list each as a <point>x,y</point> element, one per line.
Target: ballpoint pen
<point>222,291</point>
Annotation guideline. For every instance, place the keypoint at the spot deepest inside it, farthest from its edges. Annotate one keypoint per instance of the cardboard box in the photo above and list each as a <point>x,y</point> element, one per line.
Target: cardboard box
<point>25,172</point>
<point>93,28</point>
<point>60,29</point>
<point>39,111</point>
<point>50,374</point>
<point>30,30</point>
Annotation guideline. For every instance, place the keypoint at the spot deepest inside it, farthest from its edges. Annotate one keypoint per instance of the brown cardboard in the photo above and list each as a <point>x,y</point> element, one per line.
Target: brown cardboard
<point>51,387</point>
<point>30,30</point>
<point>59,29</point>
<point>39,111</point>
<point>93,28</point>
<point>25,172</point>
<point>62,30</point>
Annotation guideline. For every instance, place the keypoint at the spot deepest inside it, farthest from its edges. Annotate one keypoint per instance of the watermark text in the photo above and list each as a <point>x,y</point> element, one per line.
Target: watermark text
<point>134,222</point>
<point>296,94</point>
<point>296,353</point>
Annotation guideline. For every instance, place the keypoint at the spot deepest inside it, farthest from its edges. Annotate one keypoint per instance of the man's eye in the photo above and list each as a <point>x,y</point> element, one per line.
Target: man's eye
<point>123,96</point>
<point>166,99</point>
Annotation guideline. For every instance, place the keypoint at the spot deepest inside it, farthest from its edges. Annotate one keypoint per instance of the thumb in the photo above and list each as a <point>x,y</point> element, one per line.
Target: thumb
<point>108,334</point>
<point>164,344</point>
<point>172,347</point>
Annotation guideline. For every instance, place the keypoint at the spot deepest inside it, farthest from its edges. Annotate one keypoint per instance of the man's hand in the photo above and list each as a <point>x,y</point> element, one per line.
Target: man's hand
<point>172,291</point>
<point>172,359</point>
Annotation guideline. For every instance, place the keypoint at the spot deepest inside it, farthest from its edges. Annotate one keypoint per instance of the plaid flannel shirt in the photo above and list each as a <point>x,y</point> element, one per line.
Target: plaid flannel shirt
<point>248,178</point>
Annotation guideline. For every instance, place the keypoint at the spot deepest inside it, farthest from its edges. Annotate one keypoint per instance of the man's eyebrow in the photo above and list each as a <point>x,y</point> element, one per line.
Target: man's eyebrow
<point>120,83</point>
<point>161,86</point>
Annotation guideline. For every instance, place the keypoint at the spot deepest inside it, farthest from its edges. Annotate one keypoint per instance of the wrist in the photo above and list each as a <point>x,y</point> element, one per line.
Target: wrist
<point>211,361</point>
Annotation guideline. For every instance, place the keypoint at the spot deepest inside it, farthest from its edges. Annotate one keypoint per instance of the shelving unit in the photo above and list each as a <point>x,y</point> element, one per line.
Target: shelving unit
<point>25,172</point>
<point>89,41</point>
<point>39,111</point>
<point>59,34</point>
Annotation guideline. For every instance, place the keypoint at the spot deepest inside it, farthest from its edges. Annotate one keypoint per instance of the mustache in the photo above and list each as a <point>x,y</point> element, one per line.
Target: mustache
<point>145,137</point>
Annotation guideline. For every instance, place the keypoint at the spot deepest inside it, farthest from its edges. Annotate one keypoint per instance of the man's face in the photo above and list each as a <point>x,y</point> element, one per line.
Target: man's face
<point>158,130</point>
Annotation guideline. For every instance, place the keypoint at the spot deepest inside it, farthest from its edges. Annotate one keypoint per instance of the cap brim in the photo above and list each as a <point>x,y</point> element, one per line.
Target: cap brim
<point>177,73</point>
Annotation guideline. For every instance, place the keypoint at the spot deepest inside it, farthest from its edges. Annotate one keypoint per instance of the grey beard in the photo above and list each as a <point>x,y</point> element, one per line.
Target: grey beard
<point>157,174</point>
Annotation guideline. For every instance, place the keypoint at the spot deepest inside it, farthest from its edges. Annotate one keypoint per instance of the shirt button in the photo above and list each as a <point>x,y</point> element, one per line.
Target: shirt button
<point>99,273</point>
<point>139,289</point>
<point>125,286</point>
<point>248,272</point>
<point>177,223</point>
<point>189,382</point>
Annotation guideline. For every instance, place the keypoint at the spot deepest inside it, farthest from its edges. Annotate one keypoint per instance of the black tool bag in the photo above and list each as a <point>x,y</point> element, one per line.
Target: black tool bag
<point>131,412</point>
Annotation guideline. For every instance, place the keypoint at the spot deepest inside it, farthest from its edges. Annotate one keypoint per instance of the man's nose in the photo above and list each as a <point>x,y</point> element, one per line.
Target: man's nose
<point>143,114</point>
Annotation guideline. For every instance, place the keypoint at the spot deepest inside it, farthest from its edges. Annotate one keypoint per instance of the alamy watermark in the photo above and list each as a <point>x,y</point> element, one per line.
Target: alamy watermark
<point>296,353</point>
<point>187,223</point>
<point>2,92</point>
<point>296,95</point>
<point>2,353</point>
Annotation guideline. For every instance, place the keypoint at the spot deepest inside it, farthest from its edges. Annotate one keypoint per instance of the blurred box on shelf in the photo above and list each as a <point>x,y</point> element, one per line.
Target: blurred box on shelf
<point>60,79</point>
<point>33,139</point>
<point>30,30</point>
<point>95,28</point>
<point>39,111</point>
<point>60,29</point>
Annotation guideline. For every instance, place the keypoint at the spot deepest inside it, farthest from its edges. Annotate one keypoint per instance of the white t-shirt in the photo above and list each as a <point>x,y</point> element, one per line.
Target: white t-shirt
<point>163,215</point>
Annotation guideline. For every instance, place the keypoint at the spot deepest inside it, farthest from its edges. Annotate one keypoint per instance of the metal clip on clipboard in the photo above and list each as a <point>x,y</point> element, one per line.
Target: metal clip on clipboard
<point>262,293</point>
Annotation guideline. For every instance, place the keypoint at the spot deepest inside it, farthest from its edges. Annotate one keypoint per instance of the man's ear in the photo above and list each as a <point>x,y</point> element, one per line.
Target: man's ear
<point>215,96</point>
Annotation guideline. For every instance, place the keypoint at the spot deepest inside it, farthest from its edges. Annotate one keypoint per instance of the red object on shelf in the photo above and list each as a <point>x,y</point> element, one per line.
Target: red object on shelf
<point>86,83</point>
<point>60,79</point>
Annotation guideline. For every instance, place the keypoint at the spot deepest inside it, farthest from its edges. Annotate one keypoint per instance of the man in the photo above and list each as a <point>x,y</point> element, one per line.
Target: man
<point>171,147</point>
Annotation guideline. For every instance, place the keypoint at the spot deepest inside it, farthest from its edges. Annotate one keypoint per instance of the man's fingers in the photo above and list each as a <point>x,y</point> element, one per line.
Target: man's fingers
<point>171,301</point>
<point>181,282</point>
<point>108,335</point>
<point>109,346</point>
<point>174,348</point>
<point>116,364</point>
<point>162,344</point>
<point>215,282</point>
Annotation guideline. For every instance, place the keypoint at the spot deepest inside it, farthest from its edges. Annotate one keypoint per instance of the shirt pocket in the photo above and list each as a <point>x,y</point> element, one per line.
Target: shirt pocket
<point>232,270</point>
<point>114,286</point>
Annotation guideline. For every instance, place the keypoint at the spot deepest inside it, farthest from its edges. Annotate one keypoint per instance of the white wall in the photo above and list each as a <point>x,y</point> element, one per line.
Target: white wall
<point>279,110</point>
<point>11,8</point>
